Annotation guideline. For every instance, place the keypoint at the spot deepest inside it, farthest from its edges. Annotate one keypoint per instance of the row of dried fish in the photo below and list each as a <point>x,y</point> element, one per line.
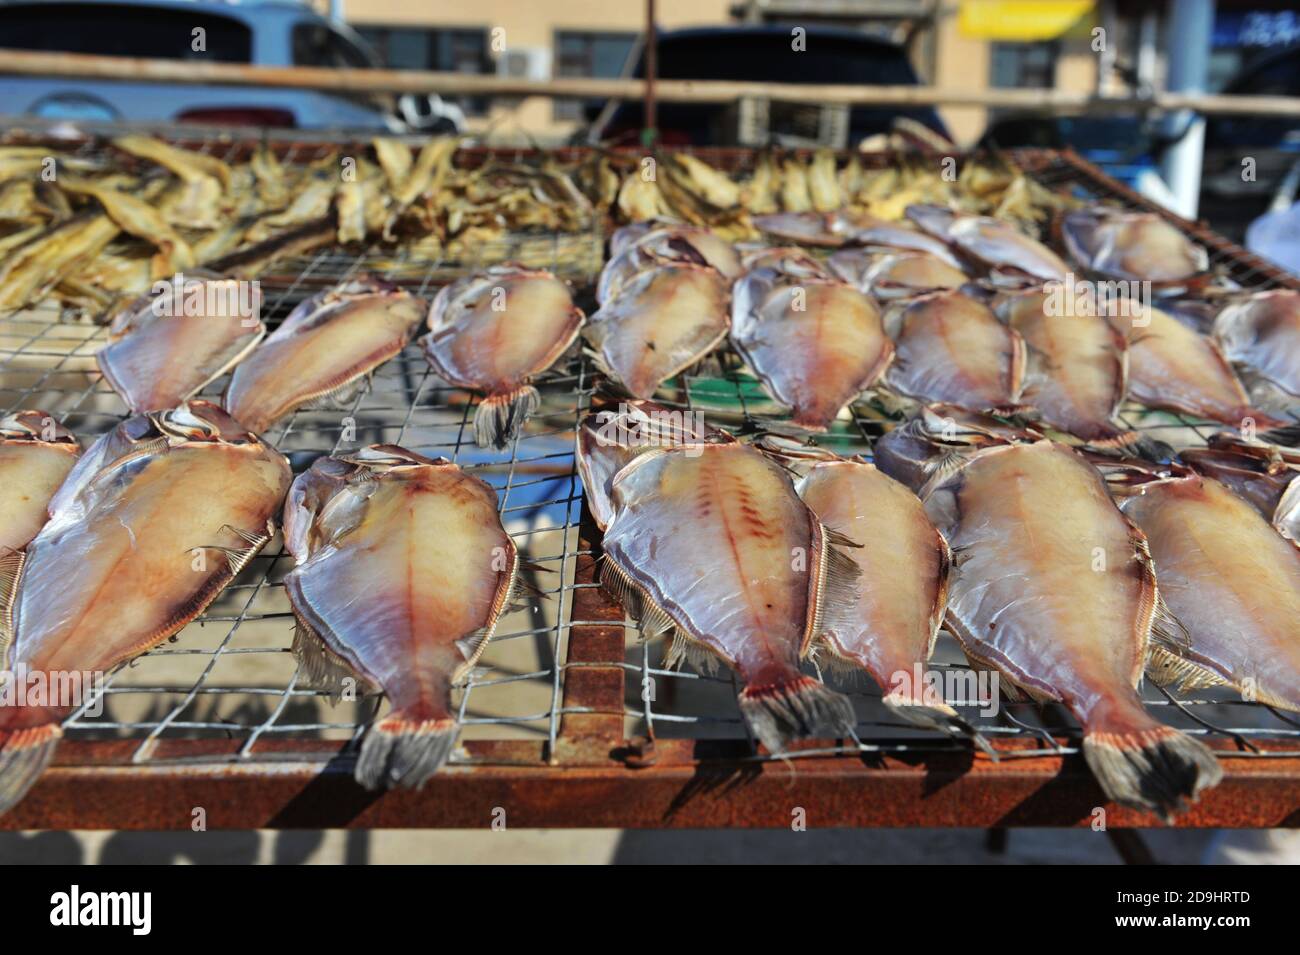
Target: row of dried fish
<point>402,570</point>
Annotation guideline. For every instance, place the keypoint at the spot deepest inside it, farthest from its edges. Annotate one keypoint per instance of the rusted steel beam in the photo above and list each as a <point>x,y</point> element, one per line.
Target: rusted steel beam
<point>686,787</point>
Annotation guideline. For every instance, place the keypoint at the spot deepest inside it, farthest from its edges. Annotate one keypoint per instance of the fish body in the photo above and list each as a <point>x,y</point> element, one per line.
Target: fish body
<point>713,545</point>
<point>1011,257</point>
<point>322,350</point>
<point>662,246</point>
<point>1054,588</point>
<point>1233,584</point>
<point>938,438</point>
<point>36,454</point>
<point>1261,335</point>
<point>663,321</point>
<point>1131,246</point>
<point>402,570</point>
<point>951,348</point>
<point>815,343</point>
<point>494,332</point>
<point>1262,474</point>
<point>156,518</point>
<point>164,348</point>
<point>891,275</point>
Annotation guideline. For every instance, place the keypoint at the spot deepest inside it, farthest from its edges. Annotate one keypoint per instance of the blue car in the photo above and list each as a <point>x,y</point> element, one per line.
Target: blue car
<point>261,34</point>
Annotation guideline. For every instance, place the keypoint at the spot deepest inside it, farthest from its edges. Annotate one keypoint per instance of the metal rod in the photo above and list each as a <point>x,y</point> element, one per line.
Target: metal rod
<point>1190,25</point>
<point>650,134</point>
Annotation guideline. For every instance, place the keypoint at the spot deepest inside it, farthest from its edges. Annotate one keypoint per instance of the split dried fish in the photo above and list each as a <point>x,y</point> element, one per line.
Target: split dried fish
<point>660,323</point>
<point>402,571</point>
<point>164,348</point>
<point>322,351</point>
<point>1261,335</point>
<point>494,332</point>
<point>815,342</point>
<point>156,518</point>
<point>952,348</point>
<point>663,246</point>
<point>893,275</point>
<point>1132,246</point>
<point>1232,583</point>
<point>1054,588</point>
<point>711,546</point>
<point>1011,257</point>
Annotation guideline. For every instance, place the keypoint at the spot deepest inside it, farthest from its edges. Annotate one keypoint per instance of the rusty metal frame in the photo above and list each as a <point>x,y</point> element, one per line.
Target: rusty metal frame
<point>594,776</point>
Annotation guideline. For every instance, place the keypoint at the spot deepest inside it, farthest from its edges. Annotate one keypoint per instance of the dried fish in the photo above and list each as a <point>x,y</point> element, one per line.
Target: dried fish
<point>662,322</point>
<point>829,230</point>
<point>156,518</point>
<point>663,246</point>
<point>494,332</point>
<point>938,438</point>
<point>1261,335</point>
<point>402,571</point>
<point>1232,583</point>
<point>30,270</point>
<point>951,348</point>
<point>892,275</point>
<point>1132,246</point>
<point>711,545</point>
<point>322,351</point>
<point>164,347</point>
<point>139,218</point>
<point>1262,474</point>
<point>1011,257</point>
<point>1054,588</point>
<point>36,454</point>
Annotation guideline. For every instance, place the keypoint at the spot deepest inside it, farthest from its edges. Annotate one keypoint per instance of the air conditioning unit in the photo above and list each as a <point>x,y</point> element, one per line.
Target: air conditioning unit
<point>525,63</point>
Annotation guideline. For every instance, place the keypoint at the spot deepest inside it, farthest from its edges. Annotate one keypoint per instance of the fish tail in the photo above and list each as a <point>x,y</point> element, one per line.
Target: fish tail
<point>500,416</point>
<point>1146,765</point>
<point>800,707</point>
<point>937,716</point>
<point>402,751</point>
<point>1287,435</point>
<point>24,754</point>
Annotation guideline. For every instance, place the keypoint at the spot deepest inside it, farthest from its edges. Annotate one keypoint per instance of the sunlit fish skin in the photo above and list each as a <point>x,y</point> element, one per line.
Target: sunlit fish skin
<point>663,321</point>
<point>1010,256</point>
<point>402,571</point>
<point>156,518</point>
<point>1131,246</point>
<point>951,348</point>
<point>495,331</point>
<point>662,246</point>
<point>1176,369</point>
<point>1053,587</point>
<point>1077,368</point>
<point>1261,335</point>
<point>163,349</point>
<point>36,454</point>
<point>610,438</point>
<point>815,343</point>
<point>322,350</point>
<point>1233,584</point>
<point>708,544</point>
<point>891,275</point>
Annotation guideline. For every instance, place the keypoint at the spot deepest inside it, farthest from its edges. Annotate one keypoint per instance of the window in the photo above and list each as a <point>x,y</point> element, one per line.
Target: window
<point>588,54</point>
<point>120,30</point>
<point>1024,65</point>
<point>315,44</point>
<point>456,50</point>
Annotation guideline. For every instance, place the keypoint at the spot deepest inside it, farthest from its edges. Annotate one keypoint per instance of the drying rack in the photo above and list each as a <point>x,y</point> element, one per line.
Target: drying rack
<point>570,720</point>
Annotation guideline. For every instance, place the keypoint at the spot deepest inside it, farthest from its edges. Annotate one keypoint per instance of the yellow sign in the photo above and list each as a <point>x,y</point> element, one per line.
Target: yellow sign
<point>1024,20</point>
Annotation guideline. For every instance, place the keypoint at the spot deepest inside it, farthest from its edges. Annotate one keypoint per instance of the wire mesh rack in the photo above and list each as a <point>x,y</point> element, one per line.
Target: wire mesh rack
<point>570,719</point>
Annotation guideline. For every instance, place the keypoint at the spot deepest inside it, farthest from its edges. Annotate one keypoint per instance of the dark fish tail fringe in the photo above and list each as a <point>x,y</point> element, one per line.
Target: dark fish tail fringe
<point>24,754</point>
<point>499,418</point>
<point>800,708</point>
<point>401,752</point>
<point>939,717</point>
<point>1288,435</point>
<point>1157,769</point>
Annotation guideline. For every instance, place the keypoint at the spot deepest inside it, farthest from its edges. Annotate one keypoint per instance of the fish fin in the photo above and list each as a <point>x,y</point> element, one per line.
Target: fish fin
<point>650,617</point>
<point>1165,668</point>
<point>683,649</point>
<point>1146,765</point>
<point>1287,435</point>
<point>1167,631</point>
<point>838,580</point>
<point>937,716</point>
<point>321,667</point>
<point>799,708</point>
<point>499,417</point>
<point>1010,691</point>
<point>402,752</point>
<point>339,398</point>
<point>11,571</point>
<point>24,754</point>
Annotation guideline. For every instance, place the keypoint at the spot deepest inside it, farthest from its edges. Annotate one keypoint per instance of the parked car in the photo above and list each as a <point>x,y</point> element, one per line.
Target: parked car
<point>762,54</point>
<point>261,34</point>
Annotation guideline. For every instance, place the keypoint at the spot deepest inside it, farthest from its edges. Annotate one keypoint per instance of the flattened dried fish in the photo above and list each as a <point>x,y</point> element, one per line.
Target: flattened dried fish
<point>664,246</point>
<point>402,571</point>
<point>711,545</point>
<point>952,348</point>
<point>815,342</point>
<point>662,322</point>
<point>1233,584</point>
<point>157,517</point>
<point>1011,257</point>
<point>938,438</point>
<point>164,348</point>
<point>825,229</point>
<point>494,332</point>
<point>1262,474</point>
<point>1131,246</point>
<point>1077,371</point>
<point>891,275</point>
<point>1054,588</point>
<point>36,454</point>
<point>322,350</point>
<point>1262,336</point>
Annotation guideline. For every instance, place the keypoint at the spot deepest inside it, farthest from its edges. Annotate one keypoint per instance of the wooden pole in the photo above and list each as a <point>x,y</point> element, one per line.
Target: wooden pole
<point>650,134</point>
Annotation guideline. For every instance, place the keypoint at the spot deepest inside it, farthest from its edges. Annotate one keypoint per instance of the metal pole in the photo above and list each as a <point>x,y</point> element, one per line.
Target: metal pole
<point>1190,24</point>
<point>650,134</point>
